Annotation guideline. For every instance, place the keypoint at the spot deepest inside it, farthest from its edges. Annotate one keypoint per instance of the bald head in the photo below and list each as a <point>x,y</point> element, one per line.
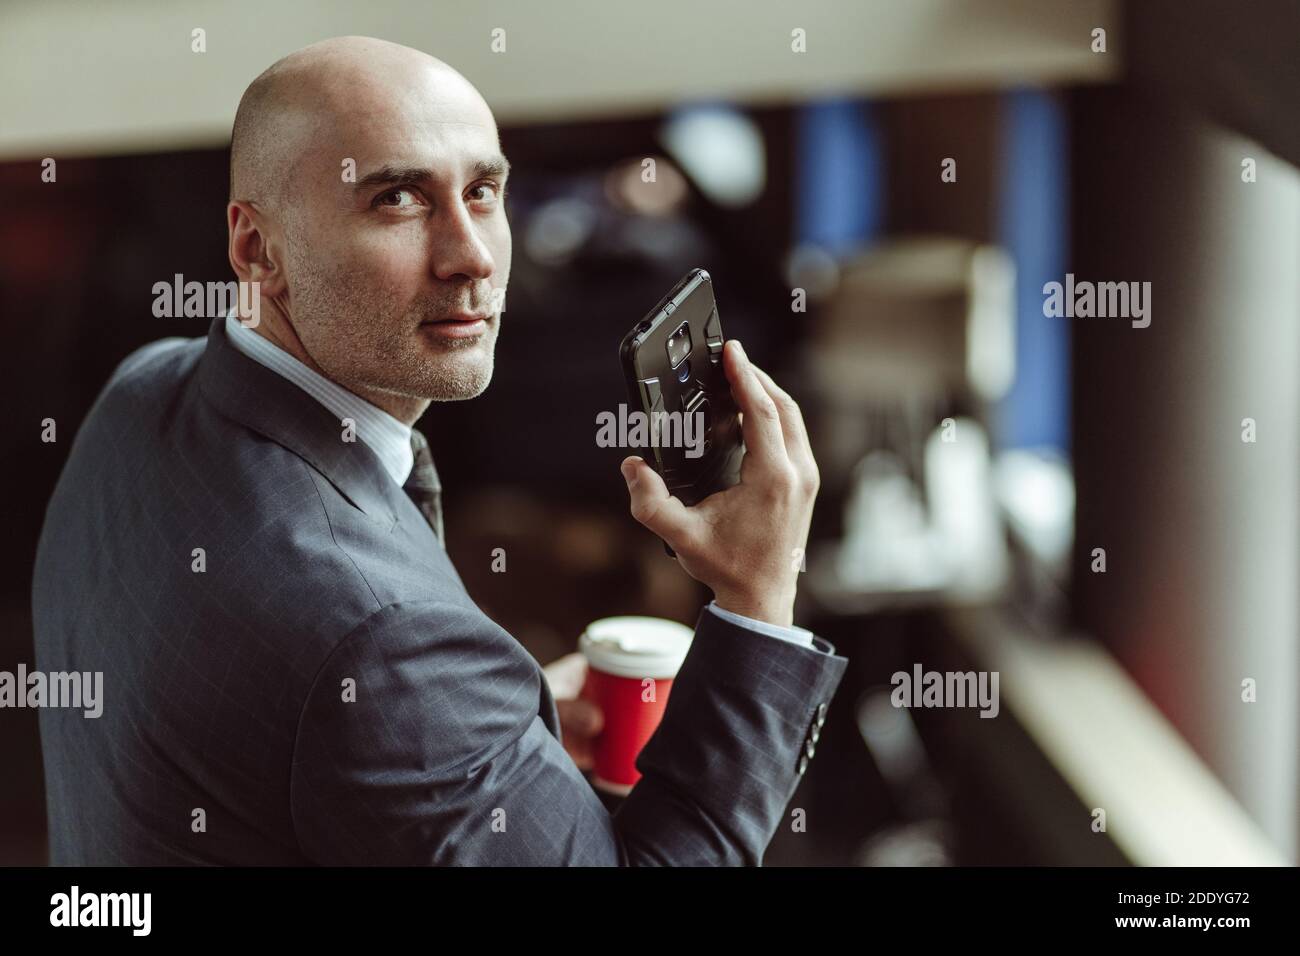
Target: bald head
<point>299,102</point>
<point>367,200</point>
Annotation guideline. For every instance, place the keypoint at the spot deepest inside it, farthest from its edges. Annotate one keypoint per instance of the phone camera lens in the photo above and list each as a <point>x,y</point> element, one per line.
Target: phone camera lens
<point>679,345</point>
<point>684,372</point>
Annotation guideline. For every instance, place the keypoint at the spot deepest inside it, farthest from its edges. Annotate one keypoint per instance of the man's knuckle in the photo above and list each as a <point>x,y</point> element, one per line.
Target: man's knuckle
<point>767,409</point>
<point>810,478</point>
<point>782,483</point>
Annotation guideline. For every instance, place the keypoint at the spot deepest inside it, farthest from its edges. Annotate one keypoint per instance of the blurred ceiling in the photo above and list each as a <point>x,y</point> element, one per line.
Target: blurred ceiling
<point>120,75</point>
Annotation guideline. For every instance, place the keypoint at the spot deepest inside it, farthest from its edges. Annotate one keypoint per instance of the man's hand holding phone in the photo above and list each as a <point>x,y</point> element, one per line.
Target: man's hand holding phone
<point>745,543</point>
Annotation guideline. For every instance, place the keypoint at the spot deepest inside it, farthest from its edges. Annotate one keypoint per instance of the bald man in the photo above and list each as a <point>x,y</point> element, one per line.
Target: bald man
<point>247,542</point>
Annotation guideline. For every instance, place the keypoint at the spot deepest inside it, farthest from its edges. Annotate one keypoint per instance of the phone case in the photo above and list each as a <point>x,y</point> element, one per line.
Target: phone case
<point>672,361</point>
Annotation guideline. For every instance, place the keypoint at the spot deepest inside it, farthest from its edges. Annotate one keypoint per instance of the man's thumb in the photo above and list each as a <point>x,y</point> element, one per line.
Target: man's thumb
<point>651,504</point>
<point>629,471</point>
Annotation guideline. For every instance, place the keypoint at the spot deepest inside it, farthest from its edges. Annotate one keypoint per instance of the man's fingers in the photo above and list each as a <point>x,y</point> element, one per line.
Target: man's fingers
<point>762,419</point>
<point>651,504</point>
<point>580,718</point>
<point>566,675</point>
<point>792,424</point>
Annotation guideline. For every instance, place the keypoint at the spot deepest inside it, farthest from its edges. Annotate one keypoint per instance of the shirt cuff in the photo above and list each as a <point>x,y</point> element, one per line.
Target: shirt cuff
<point>796,635</point>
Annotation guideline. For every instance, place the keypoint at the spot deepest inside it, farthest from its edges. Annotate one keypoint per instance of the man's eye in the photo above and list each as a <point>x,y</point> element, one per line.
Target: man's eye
<point>494,191</point>
<point>393,197</point>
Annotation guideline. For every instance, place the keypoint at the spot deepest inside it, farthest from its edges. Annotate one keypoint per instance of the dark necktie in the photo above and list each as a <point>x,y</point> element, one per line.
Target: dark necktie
<point>424,487</point>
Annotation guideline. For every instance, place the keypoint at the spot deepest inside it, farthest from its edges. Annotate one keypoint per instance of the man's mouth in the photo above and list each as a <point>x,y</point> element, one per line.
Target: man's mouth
<point>458,325</point>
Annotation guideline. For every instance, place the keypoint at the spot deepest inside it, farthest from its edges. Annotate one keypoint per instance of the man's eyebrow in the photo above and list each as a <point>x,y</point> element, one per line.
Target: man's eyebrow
<point>393,176</point>
<point>497,166</point>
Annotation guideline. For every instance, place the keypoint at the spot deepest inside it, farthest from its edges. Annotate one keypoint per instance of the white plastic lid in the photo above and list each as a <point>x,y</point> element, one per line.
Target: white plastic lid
<point>636,646</point>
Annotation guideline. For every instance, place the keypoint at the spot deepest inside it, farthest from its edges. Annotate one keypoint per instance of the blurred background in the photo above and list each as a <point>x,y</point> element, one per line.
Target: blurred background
<point>880,191</point>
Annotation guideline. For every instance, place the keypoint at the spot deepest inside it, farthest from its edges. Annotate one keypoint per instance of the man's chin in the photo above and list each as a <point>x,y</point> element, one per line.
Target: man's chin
<point>434,371</point>
<point>461,392</point>
<point>458,377</point>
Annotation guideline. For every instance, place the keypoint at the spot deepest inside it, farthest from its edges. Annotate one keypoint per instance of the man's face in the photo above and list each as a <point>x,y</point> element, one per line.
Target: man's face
<point>379,259</point>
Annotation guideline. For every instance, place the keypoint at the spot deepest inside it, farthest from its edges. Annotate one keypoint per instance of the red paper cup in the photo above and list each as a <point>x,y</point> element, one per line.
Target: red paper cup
<point>631,665</point>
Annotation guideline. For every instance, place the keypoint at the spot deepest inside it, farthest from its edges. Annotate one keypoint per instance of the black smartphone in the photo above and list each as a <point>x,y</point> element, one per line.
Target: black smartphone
<point>672,361</point>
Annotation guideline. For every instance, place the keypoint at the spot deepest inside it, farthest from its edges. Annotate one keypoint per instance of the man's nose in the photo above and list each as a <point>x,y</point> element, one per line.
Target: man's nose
<point>459,249</point>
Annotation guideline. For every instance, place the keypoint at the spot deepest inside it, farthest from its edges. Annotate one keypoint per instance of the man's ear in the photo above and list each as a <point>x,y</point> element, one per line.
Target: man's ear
<point>253,256</point>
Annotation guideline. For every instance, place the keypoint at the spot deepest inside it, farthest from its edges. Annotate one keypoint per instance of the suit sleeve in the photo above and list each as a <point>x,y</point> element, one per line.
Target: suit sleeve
<point>420,742</point>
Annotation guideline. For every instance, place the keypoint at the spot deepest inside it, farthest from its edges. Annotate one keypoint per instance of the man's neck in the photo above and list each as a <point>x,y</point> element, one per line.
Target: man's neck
<point>280,333</point>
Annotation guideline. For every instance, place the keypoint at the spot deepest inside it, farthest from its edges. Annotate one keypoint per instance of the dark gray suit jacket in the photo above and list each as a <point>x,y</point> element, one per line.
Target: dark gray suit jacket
<point>224,688</point>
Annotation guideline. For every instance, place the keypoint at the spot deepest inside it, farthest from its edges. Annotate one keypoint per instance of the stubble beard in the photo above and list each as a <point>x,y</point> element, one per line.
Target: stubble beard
<point>362,346</point>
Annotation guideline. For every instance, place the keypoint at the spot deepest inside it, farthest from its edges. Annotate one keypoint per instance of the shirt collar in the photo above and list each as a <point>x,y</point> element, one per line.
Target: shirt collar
<point>383,434</point>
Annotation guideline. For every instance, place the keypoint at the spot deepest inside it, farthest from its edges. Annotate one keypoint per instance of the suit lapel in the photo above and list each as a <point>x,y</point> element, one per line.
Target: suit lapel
<point>271,405</point>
